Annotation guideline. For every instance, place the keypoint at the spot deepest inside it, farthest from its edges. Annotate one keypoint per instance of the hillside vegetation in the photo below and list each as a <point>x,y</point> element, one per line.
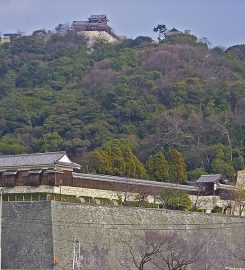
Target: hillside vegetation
<point>124,109</point>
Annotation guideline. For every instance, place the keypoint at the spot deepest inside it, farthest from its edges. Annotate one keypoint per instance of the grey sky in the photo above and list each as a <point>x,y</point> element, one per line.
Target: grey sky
<point>222,21</point>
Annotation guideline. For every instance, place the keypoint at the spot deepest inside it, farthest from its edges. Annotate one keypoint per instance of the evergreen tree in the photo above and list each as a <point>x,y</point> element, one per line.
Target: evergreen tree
<point>157,167</point>
<point>51,141</point>
<point>10,145</point>
<point>175,199</point>
<point>220,165</point>
<point>196,173</point>
<point>177,167</point>
<point>119,159</point>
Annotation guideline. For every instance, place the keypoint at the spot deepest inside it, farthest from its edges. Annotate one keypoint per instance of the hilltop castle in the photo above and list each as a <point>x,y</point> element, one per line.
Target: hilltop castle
<point>95,28</point>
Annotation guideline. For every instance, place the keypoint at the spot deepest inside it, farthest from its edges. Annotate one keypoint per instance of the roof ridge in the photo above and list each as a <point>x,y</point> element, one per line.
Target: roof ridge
<point>17,155</point>
<point>211,174</point>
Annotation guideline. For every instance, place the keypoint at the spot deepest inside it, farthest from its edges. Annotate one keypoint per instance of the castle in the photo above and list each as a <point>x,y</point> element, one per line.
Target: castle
<point>96,28</point>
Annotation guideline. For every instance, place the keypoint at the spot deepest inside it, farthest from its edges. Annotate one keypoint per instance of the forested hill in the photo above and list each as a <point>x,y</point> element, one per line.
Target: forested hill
<point>124,109</point>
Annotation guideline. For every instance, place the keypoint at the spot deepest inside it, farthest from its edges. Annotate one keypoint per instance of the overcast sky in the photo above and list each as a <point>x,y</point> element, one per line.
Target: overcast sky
<point>221,21</point>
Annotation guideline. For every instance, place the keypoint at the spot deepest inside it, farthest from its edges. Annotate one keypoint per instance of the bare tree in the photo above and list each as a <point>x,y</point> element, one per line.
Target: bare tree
<point>62,28</point>
<point>146,249</point>
<point>199,201</point>
<point>205,41</point>
<point>222,124</point>
<point>164,251</point>
<point>176,253</point>
<point>162,61</point>
<point>240,253</point>
<point>123,196</point>
<point>141,199</point>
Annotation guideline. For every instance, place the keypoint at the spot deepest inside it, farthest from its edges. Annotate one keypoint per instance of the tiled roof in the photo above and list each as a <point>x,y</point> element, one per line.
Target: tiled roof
<point>132,181</point>
<point>174,30</point>
<point>210,178</point>
<point>31,159</point>
<point>97,17</point>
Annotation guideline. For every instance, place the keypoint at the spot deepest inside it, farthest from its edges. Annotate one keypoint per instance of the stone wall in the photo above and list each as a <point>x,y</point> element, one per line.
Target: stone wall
<point>94,36</point>
<point>102,232</point>
<point>27,236</point>
<point>29,241</point>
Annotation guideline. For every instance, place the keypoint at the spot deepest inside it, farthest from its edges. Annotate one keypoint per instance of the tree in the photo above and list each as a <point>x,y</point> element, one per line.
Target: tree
<point>205,41</point>
<point>160,28</point>
<point>51,141</point>
<point>157,167</point>
<point>220,165</point>
<point>163,251</point>
<point>196,173</point>
<point>239,252</point>
<point>222,124</point>
<point>199,201</point>
<point>177,167</point>
<point>141,41</point>
<point>10,145</point>
<point>63,28</point>
<point>177,253</point>
<point>117,158</point>
<point>162,61</point>
<point>147,247</point>
<point>175,199</point>
<point>123,197</point>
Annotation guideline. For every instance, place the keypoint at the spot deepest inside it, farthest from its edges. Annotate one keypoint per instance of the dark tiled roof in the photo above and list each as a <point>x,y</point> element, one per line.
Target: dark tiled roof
<point>97,17</point>
<point>174,30</point>
<point>30,159</point>
<point>210,178</point>
<point>132,181</point>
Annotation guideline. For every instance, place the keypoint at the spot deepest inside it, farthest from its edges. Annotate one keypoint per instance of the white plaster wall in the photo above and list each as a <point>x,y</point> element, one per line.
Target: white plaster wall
<point>240,178</point>
<point>65,159</point>
<point>205,202</point>
<point>106,194</point>
<point>77,191</point>
<point>210,201</point>
<point>28,189</point>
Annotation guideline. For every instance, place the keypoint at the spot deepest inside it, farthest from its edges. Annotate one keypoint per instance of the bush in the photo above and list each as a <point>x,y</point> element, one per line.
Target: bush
<point>175,199</point>
<point>216,209</point>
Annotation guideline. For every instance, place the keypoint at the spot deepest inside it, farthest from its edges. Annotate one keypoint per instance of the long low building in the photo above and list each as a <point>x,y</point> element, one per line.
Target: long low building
<point>109,182</point>
<point>53,175</point>
<point>54,172</point>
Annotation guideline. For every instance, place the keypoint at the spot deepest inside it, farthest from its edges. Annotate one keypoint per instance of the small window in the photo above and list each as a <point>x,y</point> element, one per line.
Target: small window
<point>10,173</point>
<point>34,171</point>
<point>54,171</point>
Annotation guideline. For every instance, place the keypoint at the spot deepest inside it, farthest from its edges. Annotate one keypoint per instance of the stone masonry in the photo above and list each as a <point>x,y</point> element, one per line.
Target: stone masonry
<point>35,234</point>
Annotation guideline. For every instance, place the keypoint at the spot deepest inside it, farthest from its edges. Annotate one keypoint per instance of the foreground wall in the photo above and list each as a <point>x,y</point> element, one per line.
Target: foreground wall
<point>101,232</point>
<point>27,236</point>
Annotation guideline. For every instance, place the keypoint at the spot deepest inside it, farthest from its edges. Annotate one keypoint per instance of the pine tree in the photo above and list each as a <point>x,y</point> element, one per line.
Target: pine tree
<point>119,159</point>
<point>220,165</point>
<point>157,167</point>
<point>177,166</point>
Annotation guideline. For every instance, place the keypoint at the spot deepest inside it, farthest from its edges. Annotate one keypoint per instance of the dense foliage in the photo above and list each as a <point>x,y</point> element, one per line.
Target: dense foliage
<point>56,93</point>
<point>175,199</point>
